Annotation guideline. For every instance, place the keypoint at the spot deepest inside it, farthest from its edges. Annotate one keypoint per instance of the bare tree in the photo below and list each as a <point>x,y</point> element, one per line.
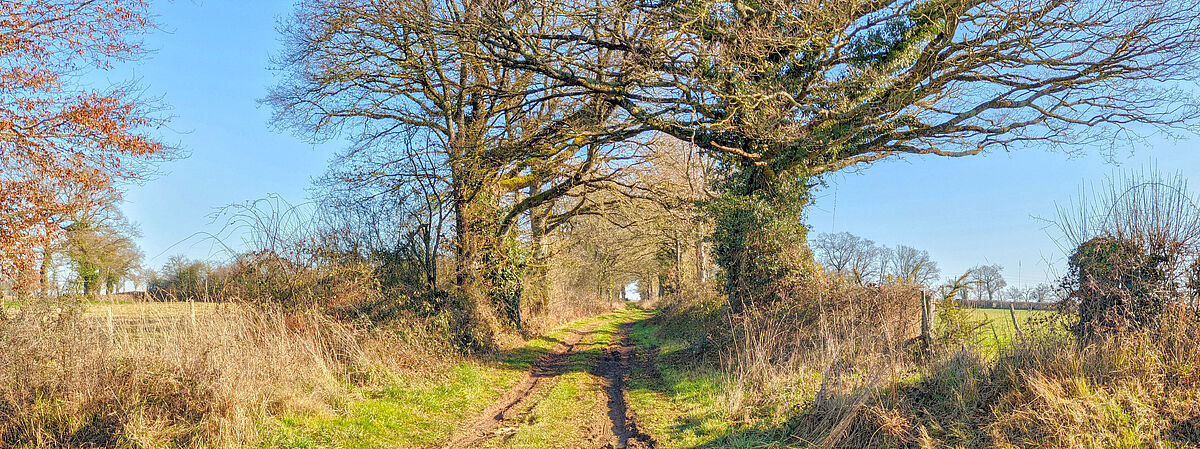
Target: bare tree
<point>848,255</point>
<point>913,266</point>
<point>504,143</point>
<point>403,219</point>
<point>1014,294</point>
<point>802,88</point>
<point>1041,293</point>
<point>783,91</point>
<point>987,279</point>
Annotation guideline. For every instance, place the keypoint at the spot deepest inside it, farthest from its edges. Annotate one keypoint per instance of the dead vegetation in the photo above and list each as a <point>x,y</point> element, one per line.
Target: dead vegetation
<point>208,381</point>
<point>833,363</point>
<point>1135,390</point>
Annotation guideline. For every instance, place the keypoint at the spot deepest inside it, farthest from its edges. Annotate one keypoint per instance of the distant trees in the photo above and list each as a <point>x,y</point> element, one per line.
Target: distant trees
<point>1040,293</point>
<point>1014,294</point>
<point>988,279</point>
<point>852,256</point>
<point>913,266</point>
<point>65,145</point>
<point>182,279</point>
<point>862,261</point>
<point>102,253</point>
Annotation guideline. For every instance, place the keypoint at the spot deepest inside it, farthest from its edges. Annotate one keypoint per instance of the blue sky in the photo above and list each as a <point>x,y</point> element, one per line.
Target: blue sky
<point>211,64</point>
<point>985,209</point>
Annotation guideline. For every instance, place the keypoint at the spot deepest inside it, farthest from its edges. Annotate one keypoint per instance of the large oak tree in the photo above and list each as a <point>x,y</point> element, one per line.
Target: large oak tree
<point>419,106</point>
<point>786,90</point>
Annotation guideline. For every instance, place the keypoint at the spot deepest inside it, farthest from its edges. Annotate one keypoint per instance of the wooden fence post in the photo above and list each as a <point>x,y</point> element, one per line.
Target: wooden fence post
<point>1012,312</point>
<point>927,309</point>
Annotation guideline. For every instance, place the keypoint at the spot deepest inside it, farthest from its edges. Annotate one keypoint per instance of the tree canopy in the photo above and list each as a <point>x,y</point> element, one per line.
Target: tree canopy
<point>802,88</point>
<point>63,144</point>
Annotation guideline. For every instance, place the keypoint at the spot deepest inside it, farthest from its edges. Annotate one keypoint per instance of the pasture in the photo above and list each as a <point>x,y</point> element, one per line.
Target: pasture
<point>996,325</point>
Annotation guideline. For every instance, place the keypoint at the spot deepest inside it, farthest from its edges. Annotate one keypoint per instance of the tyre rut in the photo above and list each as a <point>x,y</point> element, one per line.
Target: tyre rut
<point>520,398</point>
<point>619,431</point>
<point>614,368</point>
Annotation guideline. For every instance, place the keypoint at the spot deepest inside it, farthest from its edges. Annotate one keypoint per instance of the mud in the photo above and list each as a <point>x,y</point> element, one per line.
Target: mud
<point>614,430</point>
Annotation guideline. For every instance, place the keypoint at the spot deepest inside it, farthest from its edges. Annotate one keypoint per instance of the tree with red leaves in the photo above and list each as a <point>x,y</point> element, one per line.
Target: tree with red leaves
<point>65,147</point>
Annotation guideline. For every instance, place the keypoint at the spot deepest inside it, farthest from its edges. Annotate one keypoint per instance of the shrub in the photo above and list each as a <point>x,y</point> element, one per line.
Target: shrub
<point>1114,284</point>
<point>1132,250</point>
<point>760,242</point>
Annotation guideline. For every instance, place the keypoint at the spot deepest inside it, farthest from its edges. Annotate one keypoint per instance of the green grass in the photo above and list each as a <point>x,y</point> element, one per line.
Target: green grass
<point>410,414</point>
<point>998,330</point>
<point>682,404</point>
<point>575,408</point>
<point>559,414</point>
<point>560,418</point>
<point>424,412</point>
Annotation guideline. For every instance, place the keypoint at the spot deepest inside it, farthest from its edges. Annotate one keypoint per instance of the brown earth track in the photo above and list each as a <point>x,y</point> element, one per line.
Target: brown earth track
<point>625,433</point>
<point>544,371</point>
<point>618,431</point>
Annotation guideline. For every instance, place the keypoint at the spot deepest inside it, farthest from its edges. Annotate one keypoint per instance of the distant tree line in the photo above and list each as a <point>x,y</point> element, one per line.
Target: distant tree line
<point>862,261</point>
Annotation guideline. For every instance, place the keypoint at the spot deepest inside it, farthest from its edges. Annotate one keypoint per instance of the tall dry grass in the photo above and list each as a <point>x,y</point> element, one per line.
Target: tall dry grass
<point>841,366</point>
<point>207,381</point>
<point>1137,389</point>
<point>822,340</point>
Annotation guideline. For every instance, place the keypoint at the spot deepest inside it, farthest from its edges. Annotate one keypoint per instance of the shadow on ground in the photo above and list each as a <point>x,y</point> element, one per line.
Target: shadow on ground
<point>645,374</point>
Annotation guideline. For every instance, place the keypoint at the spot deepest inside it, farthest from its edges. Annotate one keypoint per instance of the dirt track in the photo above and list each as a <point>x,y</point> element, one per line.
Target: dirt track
<point>625,432</point>
<point>618,432</point>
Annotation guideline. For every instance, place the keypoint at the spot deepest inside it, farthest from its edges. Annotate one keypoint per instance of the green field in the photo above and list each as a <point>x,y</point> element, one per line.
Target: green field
<point>997,329</point>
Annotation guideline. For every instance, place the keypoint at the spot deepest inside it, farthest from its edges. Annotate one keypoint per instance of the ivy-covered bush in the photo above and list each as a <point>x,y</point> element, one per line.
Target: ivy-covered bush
<point>760,241</point>
<point>1115,284</point>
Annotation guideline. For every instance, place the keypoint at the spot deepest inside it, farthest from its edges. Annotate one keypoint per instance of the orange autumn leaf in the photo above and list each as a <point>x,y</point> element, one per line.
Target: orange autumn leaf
<point>63,144</point>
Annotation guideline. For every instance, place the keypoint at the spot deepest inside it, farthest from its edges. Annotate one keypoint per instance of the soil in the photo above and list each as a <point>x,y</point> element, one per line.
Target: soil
<point>615,431</point>
<point>625,433</point>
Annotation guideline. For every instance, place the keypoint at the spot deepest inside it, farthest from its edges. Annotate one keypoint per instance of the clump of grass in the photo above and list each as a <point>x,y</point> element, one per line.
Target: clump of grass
<point>1129,390</point>
<point>829,337</point>
<point>190,381</point>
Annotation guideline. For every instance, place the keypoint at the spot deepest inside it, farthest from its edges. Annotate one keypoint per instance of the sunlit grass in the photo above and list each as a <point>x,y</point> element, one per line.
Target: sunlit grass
<point>424,412</point>
<point>681,404</point>
<point>998,330</point>
<point>413,413</point>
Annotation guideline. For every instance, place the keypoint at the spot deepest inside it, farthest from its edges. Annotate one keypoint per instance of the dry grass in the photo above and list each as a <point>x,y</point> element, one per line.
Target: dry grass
<point>838,338</point>
<point>72,380</point>
<point>1132,390</point>
<point>839,367</point>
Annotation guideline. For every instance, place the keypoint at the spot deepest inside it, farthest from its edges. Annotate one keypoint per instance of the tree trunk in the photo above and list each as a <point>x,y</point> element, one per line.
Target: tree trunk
<point>678,271</point>
<point>537,290</point>
<point>652,289</point>
<point>474,313</point>
<point>44,274</point>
